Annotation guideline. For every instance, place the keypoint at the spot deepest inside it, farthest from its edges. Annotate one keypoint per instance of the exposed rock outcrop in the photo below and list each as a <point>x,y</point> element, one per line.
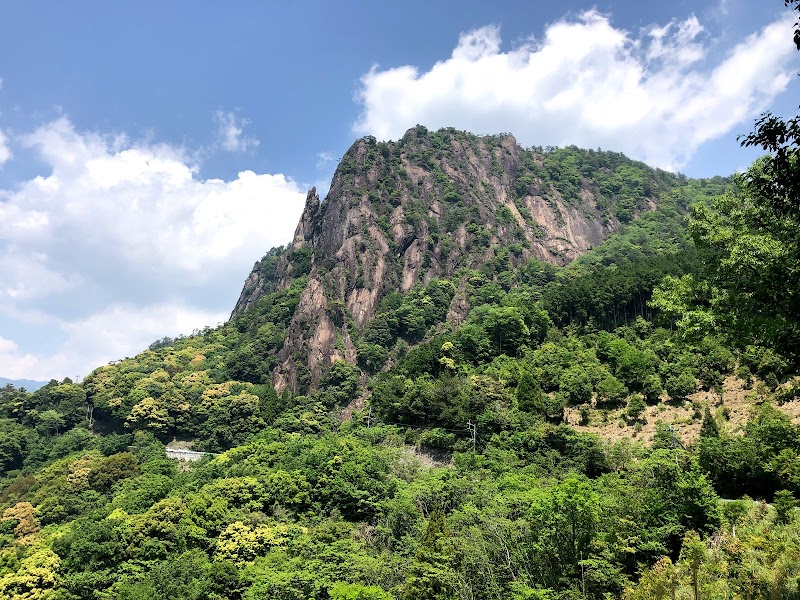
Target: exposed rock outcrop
<point>400,213</point>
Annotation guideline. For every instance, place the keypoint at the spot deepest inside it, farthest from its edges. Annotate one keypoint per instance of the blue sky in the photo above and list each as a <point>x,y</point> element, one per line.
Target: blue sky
<point>150,152</point>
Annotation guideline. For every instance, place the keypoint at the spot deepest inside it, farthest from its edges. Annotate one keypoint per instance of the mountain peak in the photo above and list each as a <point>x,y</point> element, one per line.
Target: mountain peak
<point>435,205</point>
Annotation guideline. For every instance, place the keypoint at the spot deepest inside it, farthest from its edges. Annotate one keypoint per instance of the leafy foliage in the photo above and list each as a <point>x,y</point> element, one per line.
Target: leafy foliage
<point>439,465</point>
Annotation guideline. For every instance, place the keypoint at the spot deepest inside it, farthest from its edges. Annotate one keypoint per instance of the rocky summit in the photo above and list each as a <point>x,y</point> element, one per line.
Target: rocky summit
<point>436,205</point>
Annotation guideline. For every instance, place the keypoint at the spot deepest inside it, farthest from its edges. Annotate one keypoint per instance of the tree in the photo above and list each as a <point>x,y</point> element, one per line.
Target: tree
<point>429,575</point>
<point>530,397</point>
<point>680,386</point>
<point>682,301</point>
<point>784,504</point>
<point>354,591</point>
<point>610,390</point>
<point>636,408</point>
<point>756,254</point>
<point>659,582</point>
<point>474,343</point>
<point>506,329</point>
<point>554,408</point>
<point>781,138</point>
<point>112,469</point>
<point>752,233</point>
<point>49,422</point>
<point>372,356</point>
<point>35,577</point>
<point>27,526</point>
<point>149,413</point>
<point>576,385</point>
<point>735,511</point>
<point>652,388</point>
<point>635,366</point>
<point>340,384</point>
<point>538,323</point>
<point>12,445</point>
<point>709,427</point>
<point>693,555</point>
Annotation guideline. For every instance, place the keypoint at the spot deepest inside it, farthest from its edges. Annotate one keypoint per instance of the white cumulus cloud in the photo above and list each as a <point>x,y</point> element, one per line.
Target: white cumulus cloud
<point>16,364</point>
<point>230,132</point>
<point>118,243</point>
<point>650,94</point>
<point>117,331</point>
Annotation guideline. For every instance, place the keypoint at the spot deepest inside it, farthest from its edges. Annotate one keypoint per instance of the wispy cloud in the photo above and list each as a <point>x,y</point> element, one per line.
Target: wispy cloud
<point>230,132</point>
<point>5,150</point>
<point>323,158</point>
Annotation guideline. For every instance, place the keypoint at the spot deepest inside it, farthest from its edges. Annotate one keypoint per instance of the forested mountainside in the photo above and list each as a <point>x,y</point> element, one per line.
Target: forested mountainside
<point>437,205</point>
<point>461,410</point>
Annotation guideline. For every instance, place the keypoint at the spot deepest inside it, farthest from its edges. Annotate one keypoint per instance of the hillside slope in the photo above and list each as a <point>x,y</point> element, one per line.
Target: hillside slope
<point>436,205</point>
<point>511,428</point>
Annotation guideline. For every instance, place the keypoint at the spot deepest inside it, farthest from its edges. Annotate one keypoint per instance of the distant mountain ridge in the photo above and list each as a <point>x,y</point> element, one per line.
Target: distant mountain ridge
<point>30,385</point>
<point>433,205</point>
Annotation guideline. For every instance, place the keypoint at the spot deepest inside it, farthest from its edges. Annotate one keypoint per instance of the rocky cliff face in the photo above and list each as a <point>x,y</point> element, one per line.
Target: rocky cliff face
<point>433,204</point>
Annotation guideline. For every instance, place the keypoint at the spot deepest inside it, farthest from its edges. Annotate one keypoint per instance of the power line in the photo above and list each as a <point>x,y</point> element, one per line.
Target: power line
<point>407,426</point>
<point>374,421</point>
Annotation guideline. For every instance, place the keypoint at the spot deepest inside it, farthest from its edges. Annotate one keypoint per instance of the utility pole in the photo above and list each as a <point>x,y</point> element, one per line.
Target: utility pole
<point>473,429</point>
<point>675,439</point>
<point>369,417</point>
<point>583,577</point>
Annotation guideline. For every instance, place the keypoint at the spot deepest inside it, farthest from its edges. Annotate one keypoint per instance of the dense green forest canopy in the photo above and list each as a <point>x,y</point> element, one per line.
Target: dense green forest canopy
<point>455,458</point>
<point>400,501</point>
